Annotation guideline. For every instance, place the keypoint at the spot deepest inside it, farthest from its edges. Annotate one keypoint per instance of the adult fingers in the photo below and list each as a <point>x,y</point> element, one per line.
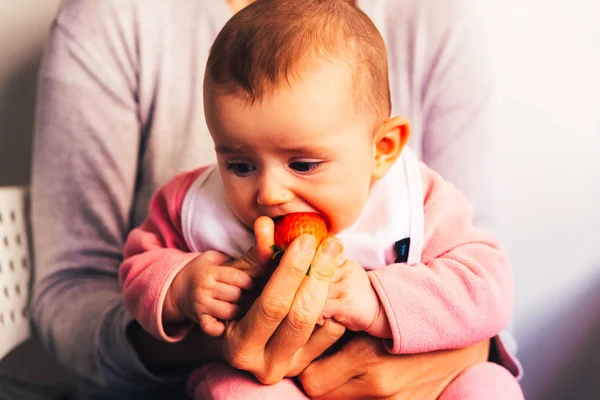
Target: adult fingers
<point>253,332</point>
<point>363,369</point>
<point>352,389</point>
<point>233,276</point>
<point>322,338</point>
<point>213,257</point>
<point>307,304</point>
<point>367,388</point>
<point>328,373</point>
<point>359,388</point>
<point>277,296</point>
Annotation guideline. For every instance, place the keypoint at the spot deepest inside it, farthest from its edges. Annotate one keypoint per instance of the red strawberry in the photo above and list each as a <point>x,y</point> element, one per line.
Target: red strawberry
<point>290,226</point>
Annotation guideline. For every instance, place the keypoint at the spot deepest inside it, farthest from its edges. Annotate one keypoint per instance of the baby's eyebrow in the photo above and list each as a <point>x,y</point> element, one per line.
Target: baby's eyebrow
<point>228,149</point>
<point>303,149</point>
<point>308,149</point>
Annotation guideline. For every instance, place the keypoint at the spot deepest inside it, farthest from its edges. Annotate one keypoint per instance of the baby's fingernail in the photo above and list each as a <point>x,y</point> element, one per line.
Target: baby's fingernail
<point>332,248</point>
<point>308,244</point>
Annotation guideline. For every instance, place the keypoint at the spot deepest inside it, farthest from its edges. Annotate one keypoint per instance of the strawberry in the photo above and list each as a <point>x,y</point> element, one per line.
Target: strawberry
<point>290,226</point>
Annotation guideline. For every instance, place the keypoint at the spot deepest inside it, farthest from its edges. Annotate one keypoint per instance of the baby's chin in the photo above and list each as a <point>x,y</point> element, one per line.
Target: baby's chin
<point>248,223</point>
<point>334,227</point>
<point>333,230</point>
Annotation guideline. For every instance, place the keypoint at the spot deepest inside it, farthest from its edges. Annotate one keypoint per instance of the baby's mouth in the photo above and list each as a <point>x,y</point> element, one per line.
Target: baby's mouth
<point>279,217</point>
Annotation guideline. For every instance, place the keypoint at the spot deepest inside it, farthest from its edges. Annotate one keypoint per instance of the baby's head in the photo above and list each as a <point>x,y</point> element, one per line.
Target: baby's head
<point>297,102</point>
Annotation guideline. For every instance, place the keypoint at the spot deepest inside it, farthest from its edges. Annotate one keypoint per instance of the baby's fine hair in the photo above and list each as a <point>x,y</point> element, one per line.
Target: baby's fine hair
<point>271,42</point>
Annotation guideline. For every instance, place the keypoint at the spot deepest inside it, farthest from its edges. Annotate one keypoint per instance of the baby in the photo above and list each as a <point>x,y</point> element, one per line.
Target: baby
<point>297,103</point>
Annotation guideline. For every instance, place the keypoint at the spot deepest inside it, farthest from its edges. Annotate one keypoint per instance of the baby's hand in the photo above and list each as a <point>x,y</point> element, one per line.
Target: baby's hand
<point>206,292</point>
<point>353,302</point>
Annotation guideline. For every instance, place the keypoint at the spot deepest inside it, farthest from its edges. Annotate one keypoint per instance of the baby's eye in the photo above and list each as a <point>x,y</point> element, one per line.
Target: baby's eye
<point>305,166</point>
<point>241,169</point>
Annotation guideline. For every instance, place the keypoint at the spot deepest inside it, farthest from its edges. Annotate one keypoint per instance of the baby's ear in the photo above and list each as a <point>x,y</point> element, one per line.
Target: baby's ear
<point>388,143</point>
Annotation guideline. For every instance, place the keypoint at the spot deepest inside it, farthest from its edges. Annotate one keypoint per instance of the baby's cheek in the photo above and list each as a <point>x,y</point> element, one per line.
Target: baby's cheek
<point>341,204</point>
<point>346,217</point>
<point>242,210</point>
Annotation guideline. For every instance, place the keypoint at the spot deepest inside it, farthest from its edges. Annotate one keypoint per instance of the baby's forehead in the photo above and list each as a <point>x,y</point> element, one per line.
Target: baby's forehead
<point>283,130</point>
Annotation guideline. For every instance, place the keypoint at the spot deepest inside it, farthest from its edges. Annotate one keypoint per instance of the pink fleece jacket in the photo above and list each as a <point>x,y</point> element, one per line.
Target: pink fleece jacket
<point>460,294</point>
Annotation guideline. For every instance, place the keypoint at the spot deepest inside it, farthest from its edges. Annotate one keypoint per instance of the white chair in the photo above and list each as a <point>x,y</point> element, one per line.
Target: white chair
<point>15,268</point>
<point>15,288</point>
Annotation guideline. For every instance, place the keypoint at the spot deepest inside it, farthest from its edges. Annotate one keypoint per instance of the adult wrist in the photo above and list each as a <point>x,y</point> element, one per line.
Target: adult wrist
<point>160,357</point>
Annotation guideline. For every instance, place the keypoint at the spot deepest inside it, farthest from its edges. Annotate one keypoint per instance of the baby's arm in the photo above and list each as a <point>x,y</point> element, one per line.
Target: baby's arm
<point>153,255</point>
<point>462,291</point>
<point>156,253</point>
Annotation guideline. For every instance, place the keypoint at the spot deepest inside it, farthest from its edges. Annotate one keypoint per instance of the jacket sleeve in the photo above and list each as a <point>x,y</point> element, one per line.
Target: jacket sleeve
<point>459,137</point>
<point>153,255</point>
<point>461,292</point>
<point>87,142</point>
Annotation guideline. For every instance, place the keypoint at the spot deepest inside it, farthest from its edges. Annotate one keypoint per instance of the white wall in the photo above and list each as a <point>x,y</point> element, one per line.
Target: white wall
<point>548,60</point>
<point>24,26</point>
<point>23,30</point>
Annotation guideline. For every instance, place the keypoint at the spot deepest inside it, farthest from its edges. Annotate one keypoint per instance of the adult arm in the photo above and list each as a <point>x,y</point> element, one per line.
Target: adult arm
<point>85,164</point>
<point>459,138</point>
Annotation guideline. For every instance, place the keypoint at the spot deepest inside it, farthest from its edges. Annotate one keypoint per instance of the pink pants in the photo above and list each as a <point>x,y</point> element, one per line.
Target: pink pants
<point>218,381</point>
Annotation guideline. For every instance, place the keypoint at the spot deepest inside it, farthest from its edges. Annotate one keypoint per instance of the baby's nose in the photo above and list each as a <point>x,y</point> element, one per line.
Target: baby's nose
<point>273,193</point>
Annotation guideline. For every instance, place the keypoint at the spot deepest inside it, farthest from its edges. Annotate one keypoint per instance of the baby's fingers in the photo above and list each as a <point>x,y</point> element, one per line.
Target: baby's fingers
<point>340,272</point>
<point>332,309</point>
<point>233,276</point>
<point>221,309</point>
<point>336,290</point>
<point>228,293</point>
<point>210,325</point>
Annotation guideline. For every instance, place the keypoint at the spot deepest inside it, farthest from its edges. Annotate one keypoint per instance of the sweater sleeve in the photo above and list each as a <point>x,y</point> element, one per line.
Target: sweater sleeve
<point>90,144</point>
<point>154,253</point>
<point>87,144</point>
<point>460,293</point>
<point>459,140</point>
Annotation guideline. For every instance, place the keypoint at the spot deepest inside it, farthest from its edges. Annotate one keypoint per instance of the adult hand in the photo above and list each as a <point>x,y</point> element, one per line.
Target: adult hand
<point>363,369</point>
<point>275,338</point>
